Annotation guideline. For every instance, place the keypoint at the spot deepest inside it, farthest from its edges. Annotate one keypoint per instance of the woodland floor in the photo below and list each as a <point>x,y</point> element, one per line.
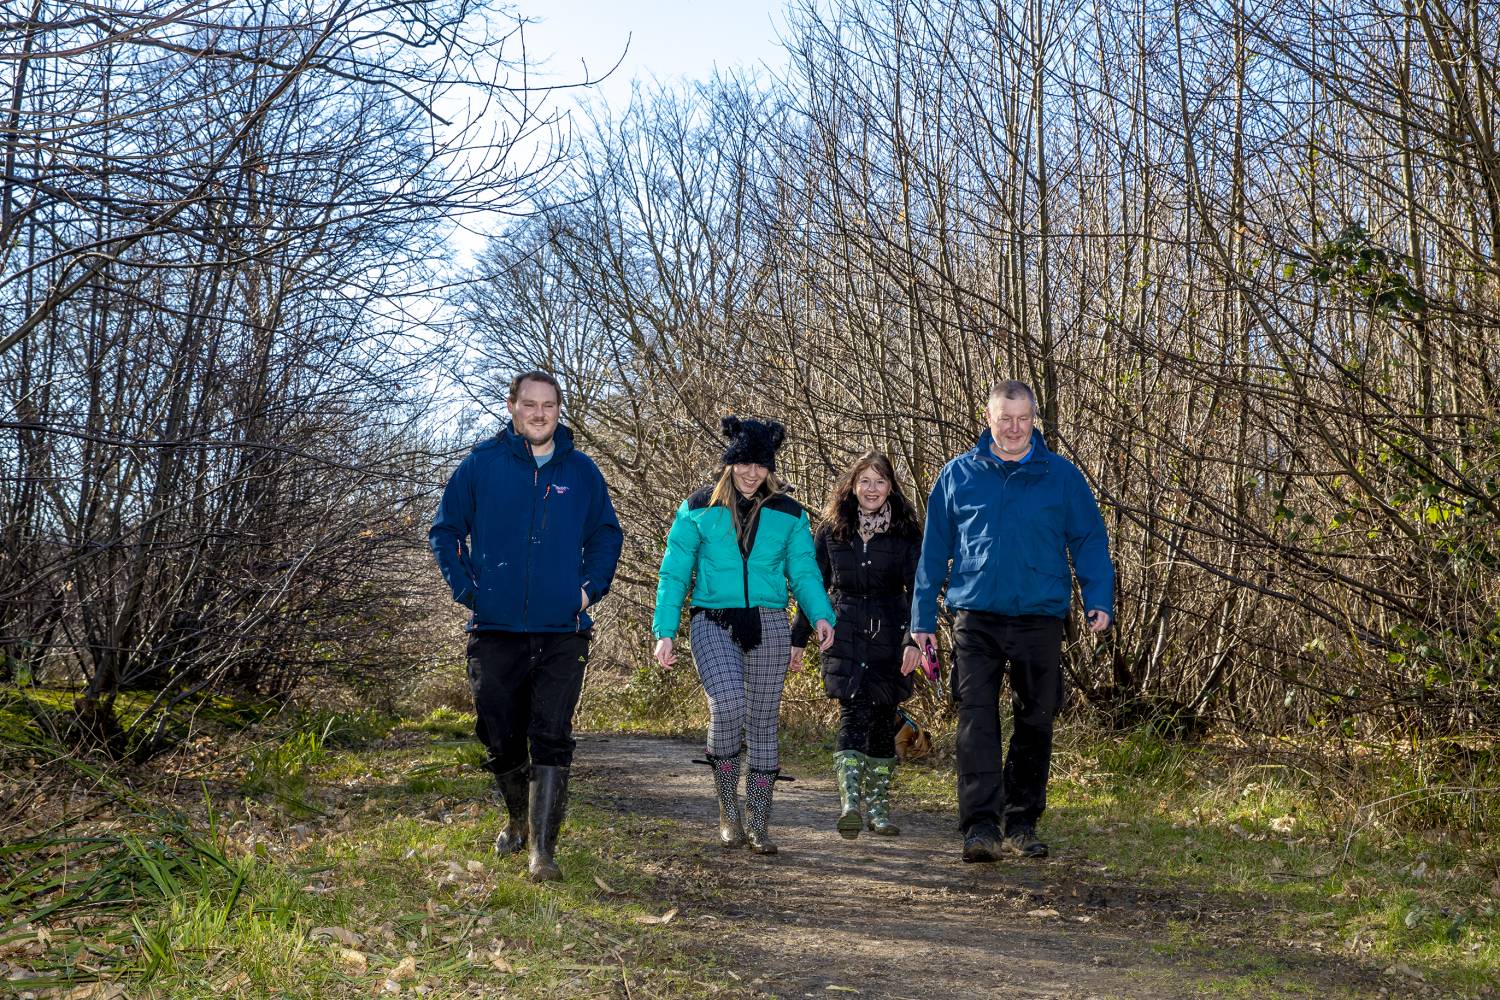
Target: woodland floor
<point>904,917</point>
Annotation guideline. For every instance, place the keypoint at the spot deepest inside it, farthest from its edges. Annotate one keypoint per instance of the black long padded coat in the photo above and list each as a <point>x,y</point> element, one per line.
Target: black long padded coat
<point>870,585</point>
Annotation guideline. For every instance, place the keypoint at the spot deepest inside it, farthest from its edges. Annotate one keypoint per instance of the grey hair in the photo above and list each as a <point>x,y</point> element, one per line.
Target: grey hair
<point>1015,389</point>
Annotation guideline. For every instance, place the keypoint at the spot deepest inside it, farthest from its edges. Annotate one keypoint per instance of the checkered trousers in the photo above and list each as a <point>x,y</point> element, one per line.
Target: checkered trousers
<point>744,689</point>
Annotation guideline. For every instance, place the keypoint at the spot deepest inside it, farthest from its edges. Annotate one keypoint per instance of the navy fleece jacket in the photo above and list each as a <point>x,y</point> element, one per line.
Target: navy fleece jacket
<point>517,544</point>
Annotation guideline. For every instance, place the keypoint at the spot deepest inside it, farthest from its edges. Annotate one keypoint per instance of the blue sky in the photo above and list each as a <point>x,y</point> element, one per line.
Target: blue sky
<point>667,39</point>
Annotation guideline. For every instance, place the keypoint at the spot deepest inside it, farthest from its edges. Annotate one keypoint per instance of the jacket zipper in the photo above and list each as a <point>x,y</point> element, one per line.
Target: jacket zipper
<point>745,555</point>
<point>530,544</point>
<point>745,565</point>
<point>458,549</point>
<point>864,546</point>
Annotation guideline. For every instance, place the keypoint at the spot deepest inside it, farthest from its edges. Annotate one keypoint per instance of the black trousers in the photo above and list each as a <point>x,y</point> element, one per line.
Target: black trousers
<point>987,649</point>
<point>869,728</point>
<point>526,687</point>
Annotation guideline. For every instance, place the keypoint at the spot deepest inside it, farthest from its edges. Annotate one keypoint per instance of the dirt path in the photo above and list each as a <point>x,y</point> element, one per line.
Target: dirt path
<point>902,917</point>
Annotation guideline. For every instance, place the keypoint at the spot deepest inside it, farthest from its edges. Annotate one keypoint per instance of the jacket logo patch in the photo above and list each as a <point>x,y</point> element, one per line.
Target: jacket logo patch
<point>559,489</point>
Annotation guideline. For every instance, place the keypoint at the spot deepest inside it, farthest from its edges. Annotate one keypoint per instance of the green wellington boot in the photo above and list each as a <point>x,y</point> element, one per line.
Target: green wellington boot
<point>849,769</point>
<point>878,772</point>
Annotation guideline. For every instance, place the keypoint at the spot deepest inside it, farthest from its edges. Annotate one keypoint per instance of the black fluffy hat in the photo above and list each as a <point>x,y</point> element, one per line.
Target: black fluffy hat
<point>752,441</point>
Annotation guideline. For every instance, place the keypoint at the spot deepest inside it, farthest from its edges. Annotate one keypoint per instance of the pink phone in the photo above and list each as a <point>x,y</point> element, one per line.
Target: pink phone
<point>930,662</point>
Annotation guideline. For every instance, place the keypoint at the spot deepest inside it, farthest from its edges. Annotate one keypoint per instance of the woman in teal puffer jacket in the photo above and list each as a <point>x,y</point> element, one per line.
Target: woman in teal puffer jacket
<point>736,545</point>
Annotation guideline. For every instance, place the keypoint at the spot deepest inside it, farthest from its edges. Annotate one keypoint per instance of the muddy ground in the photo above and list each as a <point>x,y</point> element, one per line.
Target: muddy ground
<point>903,917</point>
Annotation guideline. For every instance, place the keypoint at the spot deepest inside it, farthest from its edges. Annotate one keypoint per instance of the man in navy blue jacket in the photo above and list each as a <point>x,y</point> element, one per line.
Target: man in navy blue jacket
<point>1002,522</point>
<point>527,539</point>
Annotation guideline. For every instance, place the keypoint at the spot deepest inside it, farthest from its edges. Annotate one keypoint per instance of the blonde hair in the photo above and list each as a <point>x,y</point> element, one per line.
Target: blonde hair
<point>724,493</point>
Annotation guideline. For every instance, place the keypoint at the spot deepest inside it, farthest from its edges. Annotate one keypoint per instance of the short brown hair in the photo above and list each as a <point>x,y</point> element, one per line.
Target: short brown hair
<point>1015,389</point>
<point>534,376</point>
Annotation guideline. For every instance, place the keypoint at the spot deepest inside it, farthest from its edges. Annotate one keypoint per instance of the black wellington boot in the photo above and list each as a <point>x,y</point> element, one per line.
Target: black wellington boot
<point>512,786</point>
<point>549,802</point>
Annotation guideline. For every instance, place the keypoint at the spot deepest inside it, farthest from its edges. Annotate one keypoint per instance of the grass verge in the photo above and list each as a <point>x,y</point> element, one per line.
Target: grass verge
<point>1387,854</point>
<point>316,865</point>
<point>1261,846</point>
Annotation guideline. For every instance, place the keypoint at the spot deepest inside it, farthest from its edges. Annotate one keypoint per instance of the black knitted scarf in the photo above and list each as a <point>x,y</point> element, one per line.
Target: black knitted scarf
<point>742,624</point>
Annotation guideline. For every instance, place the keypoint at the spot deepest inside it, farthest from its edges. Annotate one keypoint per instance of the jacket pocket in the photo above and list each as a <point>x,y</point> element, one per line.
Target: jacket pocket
<point>497,598</point>
<point>1047,560</point>
<point>556,595</point>
<point>973,555</point>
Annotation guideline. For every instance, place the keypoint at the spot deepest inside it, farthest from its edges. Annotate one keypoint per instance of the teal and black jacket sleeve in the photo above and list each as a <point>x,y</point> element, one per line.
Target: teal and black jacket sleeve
<point>676,576</point>
<point>802,628</point>
<point>805,574</point>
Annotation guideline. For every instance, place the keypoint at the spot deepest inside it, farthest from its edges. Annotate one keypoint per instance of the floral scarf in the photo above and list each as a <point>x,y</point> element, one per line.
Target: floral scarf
<point>871,525</point>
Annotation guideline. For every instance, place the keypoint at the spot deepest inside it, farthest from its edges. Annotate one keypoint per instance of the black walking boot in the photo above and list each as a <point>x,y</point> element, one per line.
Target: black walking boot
<point>549,802</point>
<point>1021,839</point>
<point>512,787</point>
<point>758,788</point>
<point>727,787</point>
<point>982,842</point>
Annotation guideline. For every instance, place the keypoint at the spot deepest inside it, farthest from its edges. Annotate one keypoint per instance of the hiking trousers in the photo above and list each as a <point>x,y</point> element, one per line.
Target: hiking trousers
<point>526,687</point>
<point>1008,791</point>
<point>867,727</point>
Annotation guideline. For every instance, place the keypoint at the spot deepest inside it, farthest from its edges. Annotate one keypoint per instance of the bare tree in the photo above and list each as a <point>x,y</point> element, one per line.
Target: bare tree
<point>1246,254</point>
<point>220,225</point>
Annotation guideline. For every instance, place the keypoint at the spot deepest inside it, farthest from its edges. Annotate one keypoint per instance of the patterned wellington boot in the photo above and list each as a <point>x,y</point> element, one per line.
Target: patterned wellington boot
<point>759,785</point>
<point>726,786</point>
<point>512,787</point>
<point>878,772</point>
<point>849,769</point>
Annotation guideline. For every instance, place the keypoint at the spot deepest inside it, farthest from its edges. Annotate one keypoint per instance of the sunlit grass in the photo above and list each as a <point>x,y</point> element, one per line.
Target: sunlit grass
<point>392,877</point>
<point>384,830</point>
<point>1307,866</point>
<point>1257,838</point>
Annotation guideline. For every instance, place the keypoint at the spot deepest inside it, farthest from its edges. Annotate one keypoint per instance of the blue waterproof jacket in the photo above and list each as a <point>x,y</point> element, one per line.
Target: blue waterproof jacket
<point>517,543</point>
<point>1008,536</point>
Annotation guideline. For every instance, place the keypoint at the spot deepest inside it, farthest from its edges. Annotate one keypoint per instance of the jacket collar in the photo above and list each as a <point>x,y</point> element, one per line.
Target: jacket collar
<point>1039,450</point>
<point>562,442</point>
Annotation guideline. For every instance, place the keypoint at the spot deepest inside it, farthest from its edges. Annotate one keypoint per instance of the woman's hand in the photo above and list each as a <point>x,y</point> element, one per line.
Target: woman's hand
<point>796,661</point>
<point>825,634</point>
<point>664,654</point>
<point>909,660</point>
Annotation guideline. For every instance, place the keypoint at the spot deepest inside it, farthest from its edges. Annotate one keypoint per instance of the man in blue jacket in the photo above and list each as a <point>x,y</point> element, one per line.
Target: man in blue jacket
<point>1002,522</point>
<point>527,539</point>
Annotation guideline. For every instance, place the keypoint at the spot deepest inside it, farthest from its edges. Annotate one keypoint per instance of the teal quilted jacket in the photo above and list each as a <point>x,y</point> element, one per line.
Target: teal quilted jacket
<point>704,559</point>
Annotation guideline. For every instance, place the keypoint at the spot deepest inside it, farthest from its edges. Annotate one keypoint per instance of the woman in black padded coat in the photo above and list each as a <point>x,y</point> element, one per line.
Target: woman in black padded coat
<point>867,548</point>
